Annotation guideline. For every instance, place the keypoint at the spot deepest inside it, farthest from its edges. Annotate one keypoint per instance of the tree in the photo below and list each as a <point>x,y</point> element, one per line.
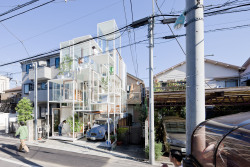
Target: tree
<point>24,109</point>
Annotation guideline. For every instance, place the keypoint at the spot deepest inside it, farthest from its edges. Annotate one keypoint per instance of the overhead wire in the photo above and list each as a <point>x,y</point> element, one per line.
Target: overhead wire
<point>62,25</point>
<point>131,53</point>
<point>136,56</point>
<point>171,29</point>
<point>27,11</point>
<point>16,38</point>
<point>18,7</point>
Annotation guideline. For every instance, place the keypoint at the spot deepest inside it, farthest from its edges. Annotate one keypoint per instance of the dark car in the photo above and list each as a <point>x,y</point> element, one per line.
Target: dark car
<point>222,141</point>
<point>100,129</point>
<point>174,134</point>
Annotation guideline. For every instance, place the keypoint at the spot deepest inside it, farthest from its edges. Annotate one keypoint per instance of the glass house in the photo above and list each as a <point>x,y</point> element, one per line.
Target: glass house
<point>222,141</point>
<point>91,83</point>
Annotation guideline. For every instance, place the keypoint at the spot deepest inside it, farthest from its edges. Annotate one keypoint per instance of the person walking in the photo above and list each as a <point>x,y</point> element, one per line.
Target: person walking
<point>60,126</point>
<point>23,132</point>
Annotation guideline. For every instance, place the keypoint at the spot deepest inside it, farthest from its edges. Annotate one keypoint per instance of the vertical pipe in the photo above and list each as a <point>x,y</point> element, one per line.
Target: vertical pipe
<point>195,89</point>
<point>48,126</point>
<point>35,98</point>
<point>73,105</point>
<point>151,91</point>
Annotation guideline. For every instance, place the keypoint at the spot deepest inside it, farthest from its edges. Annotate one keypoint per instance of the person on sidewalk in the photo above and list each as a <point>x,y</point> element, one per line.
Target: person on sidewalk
<point>176,158</point>
<point>23,132</point>
<point>60,126</point>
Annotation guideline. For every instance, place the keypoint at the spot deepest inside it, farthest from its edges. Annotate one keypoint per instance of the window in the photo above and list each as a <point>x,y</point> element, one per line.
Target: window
<point>231,83</point>
<point>48,62</point>
<point>57,62</point>
<point>28,66</point>
<point>26,88</point>
<point>42,86</point>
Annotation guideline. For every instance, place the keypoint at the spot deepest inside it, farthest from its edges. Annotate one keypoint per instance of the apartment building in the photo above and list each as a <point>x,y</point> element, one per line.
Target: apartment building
<point>48,68</point>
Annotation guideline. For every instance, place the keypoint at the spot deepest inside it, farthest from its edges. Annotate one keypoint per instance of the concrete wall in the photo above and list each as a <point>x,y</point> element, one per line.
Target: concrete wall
<point>3,118</point>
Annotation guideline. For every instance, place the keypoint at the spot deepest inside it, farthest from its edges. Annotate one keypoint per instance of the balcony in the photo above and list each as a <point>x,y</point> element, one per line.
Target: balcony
<point>41,96</point>
<point>134,98</point>
<point>43,73</point>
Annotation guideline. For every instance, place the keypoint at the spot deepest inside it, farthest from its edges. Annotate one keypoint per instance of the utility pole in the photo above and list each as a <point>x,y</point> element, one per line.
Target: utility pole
<point>195,89</point>
<point>151,89</point>
<point>35,97</point>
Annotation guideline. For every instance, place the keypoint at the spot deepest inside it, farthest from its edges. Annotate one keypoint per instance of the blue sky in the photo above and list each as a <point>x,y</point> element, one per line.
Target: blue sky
<point>60,21</point>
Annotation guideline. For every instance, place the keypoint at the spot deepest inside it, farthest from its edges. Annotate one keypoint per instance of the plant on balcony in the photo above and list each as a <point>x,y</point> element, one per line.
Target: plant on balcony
<point>77,126</point>
<point>104,83</point>
<point>65,65</point>
<point>24,109</point>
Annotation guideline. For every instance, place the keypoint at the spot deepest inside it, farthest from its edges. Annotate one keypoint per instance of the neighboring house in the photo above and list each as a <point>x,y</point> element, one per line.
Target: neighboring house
<point>48,68</point>
<point>135,96</point>
<point>245,75</point>
<point>9,100</point>
<point>217,75</point>
<point>4,83</point>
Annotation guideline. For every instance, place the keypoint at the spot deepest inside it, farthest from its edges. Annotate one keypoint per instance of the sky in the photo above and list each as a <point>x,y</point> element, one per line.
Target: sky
<point>43,29</point>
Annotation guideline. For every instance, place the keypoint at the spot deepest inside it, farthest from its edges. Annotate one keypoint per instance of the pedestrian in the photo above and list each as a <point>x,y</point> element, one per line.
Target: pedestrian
<point>60,127</point>
<point>23,132</point>
<point>175,157</point>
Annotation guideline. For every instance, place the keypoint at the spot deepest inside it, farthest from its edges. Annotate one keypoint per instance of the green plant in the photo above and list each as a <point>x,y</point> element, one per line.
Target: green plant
<point>77,126</point>
<point>24,109</point>
<point>112,137</point>
<point>158,150</point>
<point>121,133</point>
<point>104,83</point>
<point>66,64</point>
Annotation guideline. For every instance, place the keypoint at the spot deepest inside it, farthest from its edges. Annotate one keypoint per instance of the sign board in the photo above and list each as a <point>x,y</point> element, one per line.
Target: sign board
<point>179,22</point>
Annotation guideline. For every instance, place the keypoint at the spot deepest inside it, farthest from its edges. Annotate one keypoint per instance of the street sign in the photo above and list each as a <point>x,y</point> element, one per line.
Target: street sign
<point>179,22</point>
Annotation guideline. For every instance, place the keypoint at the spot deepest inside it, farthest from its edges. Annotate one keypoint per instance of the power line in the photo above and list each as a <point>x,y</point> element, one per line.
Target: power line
<point>131,8</point>
<point>18,7</point>
<point>131,54</point>
<point>27,11</point>
<point>16,38</point>
<point>170,29</point>
<point>60,26</point>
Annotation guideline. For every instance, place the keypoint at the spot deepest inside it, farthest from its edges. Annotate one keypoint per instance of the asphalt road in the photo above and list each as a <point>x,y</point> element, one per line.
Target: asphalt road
<point>38,156</point>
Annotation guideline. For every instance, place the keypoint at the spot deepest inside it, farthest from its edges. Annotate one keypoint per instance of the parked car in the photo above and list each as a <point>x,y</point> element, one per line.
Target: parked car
<point>222,141</point>
<point>100,129</point>
<point>174,134</point>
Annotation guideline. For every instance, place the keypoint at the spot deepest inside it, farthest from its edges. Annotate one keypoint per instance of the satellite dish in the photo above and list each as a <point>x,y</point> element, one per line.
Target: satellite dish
<point>137,83</point>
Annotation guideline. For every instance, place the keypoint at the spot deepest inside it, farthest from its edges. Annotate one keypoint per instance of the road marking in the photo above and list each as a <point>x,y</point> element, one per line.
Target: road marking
<point>15,162</point>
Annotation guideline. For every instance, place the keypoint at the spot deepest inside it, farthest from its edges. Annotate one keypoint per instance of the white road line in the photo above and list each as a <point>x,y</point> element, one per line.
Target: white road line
<point>15,162</point>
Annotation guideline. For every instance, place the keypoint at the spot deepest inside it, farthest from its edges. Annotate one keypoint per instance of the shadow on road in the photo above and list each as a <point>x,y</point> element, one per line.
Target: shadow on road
<point>12,151</point>
<point>110,153</point>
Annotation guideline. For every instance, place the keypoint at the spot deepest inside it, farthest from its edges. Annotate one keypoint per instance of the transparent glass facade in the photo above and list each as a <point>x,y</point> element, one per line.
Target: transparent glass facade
<point>92,75</point>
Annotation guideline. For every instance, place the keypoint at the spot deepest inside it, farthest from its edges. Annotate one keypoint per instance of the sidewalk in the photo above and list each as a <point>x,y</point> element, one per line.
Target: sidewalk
<point>130,152</point>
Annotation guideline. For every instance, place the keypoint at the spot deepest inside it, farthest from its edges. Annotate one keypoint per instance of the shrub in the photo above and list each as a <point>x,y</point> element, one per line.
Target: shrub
<point>121,133</point>
<point>24,109</point>
<point>158,150</point>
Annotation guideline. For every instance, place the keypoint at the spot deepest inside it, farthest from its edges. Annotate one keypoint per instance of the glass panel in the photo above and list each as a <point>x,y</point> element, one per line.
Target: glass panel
<point>56,119</point>
<point>234,150</point>
<point>205,139</point>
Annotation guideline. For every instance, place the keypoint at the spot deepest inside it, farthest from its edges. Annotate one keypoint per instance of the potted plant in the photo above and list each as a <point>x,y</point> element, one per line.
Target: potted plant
<point>77,126</point>
<point>65,67</point>
<point>112,138</point>
<point>121,135</point>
